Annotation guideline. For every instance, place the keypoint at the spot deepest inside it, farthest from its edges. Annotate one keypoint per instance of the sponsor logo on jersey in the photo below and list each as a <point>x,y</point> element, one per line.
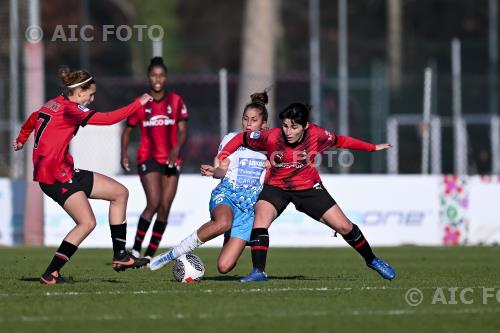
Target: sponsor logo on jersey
<point>83,108</point>
<point>148,110</point>
<point>252,163</point>
<point>255,135</point>
<point>160,120</point>
<point>184,110</point>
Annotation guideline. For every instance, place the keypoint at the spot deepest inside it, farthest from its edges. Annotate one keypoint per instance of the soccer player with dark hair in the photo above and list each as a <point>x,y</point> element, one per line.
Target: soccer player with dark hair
<point>55,124</point>
<point>293,177</point>
<point>163,125</point>
<point>233,199</point>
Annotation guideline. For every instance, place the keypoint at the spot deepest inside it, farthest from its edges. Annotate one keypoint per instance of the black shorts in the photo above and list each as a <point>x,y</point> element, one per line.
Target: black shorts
<point>83,180</point>
<point>153,166</point>
<point>314,202</point>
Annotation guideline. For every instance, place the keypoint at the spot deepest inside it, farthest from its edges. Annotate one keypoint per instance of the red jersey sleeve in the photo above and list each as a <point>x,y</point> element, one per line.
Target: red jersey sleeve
<point>27,128</point>
<point>112,117</point>
<point>328,139</point>
<point>231,146</point>
<point>133,120</point>
<point>77,114</point>
<point>182,113</point>
<point>256,140</point>
<point>325,138</point>
<point>353,143</point>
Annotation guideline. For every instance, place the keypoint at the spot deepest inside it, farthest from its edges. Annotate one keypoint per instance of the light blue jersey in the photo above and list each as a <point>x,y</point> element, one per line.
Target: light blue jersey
<point>240,187</point>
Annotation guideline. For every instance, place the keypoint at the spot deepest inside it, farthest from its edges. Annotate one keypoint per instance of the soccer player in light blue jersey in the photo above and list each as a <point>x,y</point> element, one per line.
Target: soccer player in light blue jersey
<point>233,200</point>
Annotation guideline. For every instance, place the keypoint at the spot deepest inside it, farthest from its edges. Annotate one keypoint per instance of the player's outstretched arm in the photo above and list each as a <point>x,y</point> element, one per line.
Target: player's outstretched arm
<point>113,117</point>
<point>233,145</point>
<point>348,142</point>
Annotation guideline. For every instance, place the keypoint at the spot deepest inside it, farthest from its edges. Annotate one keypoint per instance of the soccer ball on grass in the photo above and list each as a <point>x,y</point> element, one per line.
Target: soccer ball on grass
<point>188,268</point>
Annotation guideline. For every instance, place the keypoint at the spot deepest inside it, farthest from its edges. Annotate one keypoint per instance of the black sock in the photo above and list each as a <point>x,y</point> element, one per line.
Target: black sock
<point>356,239</point>
<point>142,228</point>
<point>119,237</point>
<point>62,255</point>
<point>157,234</point>
<point>259,244</point>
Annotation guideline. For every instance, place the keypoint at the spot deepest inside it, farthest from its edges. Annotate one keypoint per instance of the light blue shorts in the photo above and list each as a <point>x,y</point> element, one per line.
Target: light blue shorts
<point>242,221</point>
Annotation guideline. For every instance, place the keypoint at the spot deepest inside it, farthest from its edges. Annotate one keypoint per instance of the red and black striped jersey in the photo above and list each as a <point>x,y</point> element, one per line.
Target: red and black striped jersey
<point>292,165</point>
<point>55,124</point>
<point>158,121</point>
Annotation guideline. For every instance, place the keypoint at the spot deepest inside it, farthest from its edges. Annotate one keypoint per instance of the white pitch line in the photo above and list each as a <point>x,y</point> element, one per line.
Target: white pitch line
<point>187,316</point>
<point>208,291</point>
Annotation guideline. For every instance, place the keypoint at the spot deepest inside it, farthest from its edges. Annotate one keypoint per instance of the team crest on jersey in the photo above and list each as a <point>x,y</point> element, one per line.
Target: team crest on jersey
<point>83,108</point>
<point>169,109</point>
<point>148,110</point>
<point>255,135</point>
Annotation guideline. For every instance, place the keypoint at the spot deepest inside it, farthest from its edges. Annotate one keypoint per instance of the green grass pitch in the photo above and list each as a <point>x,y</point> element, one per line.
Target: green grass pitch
<point>309,290</point>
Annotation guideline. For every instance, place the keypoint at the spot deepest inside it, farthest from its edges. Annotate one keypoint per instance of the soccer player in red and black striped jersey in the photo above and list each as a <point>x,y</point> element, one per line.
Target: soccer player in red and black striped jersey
<point>163,126</point>
<point>55,124</point>
<point>293,177</point>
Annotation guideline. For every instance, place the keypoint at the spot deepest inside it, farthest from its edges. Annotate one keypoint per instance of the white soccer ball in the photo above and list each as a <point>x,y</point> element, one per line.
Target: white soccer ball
<point>188,268</point>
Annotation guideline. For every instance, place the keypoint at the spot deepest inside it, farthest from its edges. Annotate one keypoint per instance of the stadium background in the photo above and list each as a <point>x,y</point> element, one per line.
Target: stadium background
<point>446,206</point>
<point>390,43</point>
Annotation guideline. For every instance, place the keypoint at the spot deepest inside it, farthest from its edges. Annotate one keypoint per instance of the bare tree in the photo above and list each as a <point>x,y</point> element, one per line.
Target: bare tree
<point>257,53</point>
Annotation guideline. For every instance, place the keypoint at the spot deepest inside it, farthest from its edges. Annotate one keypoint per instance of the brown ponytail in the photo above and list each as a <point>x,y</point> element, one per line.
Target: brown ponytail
<point>69,78</point>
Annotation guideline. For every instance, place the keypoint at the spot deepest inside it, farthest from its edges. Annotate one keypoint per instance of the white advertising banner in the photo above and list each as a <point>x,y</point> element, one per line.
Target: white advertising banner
<point>390,210</point>
<point>6,201</point>
<point>484,198</point>
<point>189,211</point>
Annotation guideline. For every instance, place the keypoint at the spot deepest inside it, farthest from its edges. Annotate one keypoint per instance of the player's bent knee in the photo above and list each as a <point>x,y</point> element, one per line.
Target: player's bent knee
<point>225,267</point>
<point>344,228</point>
<point>152,206</point>
<point>223,225</point>
<point>124,193</point>
<point>88,225</point>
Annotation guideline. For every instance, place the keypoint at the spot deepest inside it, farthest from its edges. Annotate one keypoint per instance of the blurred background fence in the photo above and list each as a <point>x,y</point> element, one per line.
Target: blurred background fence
<point>389,44</point>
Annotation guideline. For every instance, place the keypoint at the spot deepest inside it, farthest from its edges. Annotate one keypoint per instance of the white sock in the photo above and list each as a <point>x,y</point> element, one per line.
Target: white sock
<point>187,245</point>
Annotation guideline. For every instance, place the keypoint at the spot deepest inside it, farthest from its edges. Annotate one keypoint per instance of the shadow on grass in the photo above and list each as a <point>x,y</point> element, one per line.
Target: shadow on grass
<point>293,277</point>
<point>224,278</point>
<point>68,279</point>
<point>113,281</point>
<point>30,279</point>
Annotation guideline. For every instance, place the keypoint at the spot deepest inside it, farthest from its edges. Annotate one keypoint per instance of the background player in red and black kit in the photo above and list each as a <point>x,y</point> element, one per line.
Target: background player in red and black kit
<point>163,124</point>
<point>55,124</point>
<point>294,178</point>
